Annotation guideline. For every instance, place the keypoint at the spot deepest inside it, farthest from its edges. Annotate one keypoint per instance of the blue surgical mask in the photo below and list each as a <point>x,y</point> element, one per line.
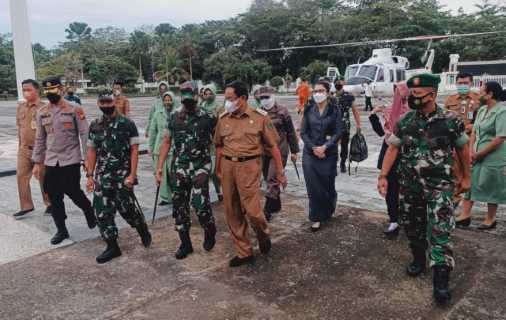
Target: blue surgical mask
<point>463,89</point>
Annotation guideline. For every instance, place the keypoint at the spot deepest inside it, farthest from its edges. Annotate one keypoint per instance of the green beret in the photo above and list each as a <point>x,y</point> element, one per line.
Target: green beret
<point>424,80</point>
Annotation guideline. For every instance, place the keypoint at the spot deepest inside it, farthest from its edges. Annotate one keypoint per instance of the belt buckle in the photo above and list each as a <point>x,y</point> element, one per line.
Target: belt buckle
<point>235,159</point>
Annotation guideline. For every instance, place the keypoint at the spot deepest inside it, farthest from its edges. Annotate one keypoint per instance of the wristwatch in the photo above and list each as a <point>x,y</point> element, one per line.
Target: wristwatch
<point>89,175</point>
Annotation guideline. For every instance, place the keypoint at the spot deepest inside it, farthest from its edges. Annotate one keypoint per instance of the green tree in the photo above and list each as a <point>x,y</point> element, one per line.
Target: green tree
<point>107,69</point>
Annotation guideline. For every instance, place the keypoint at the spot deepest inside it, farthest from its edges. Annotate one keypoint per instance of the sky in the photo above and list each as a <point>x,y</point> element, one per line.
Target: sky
<point>49,18</point>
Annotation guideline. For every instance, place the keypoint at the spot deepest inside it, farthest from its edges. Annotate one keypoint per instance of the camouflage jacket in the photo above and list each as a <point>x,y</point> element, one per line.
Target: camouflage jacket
<point>283,123</point>
<point>427,143</point>
<point>345,102</point>
<point>191,134</point>
<point>112,139</point>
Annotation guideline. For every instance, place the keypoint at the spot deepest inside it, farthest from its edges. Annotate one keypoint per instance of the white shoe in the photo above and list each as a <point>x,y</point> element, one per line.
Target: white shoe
<point>315,226</point>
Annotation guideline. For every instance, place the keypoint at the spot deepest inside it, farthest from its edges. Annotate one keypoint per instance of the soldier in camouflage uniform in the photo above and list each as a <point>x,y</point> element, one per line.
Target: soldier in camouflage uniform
<point>346,102</point>
<point>190,129</point>
<point>425,139</point>
<point>288,143</point>
<point>113,147</point>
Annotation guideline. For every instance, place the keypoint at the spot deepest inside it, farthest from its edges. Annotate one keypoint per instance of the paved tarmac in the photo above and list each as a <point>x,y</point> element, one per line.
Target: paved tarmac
<point>347,271</point>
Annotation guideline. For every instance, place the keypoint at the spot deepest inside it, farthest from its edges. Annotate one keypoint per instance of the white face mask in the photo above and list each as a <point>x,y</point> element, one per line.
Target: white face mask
<point>231,106</point>
<point>267,104</point>
<point>117,92</point>
<point>319,97</point>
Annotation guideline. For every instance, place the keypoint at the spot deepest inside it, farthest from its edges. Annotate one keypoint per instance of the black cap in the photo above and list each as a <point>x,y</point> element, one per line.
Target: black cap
<point>51,83</point>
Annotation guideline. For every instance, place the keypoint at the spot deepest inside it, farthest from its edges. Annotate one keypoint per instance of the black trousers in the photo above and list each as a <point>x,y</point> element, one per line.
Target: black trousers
<point>392,197</point>
<point>368,104</point>
<point>60,181</point>
<point>345,143</point>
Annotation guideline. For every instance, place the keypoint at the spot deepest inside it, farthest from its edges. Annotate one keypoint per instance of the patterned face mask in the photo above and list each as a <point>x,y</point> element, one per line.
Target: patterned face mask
<point>416,103</point>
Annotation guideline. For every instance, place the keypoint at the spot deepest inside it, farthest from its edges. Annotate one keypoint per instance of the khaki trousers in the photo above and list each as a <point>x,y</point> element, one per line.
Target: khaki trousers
<point>24,174</point>
<point>241,198</point>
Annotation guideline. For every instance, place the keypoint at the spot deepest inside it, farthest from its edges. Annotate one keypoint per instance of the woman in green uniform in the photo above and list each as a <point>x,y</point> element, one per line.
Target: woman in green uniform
<point>213,109</point>
<point>156,130</point>
<point>488,180</point>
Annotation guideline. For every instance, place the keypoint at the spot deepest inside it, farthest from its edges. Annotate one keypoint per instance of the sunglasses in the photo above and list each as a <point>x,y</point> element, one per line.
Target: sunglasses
<point>55,90</point>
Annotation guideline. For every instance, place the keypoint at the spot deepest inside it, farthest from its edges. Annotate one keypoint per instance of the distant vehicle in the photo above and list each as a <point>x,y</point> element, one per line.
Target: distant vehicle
<point>333,73</point>
<point>383,69</point>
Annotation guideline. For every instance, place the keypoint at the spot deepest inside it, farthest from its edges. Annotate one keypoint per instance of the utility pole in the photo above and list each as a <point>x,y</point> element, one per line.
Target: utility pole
<point>23,54</point>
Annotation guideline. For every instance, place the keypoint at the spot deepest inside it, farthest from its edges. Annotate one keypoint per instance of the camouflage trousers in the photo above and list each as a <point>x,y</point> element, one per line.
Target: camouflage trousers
<point>190,184</point>
<point>427,216</point>
<point>112,195</point>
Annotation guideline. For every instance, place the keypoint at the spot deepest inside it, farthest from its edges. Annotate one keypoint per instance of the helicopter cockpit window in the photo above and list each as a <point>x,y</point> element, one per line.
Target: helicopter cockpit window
<point>351,71</point>
<point>381,76</point>
<point>368,71</point>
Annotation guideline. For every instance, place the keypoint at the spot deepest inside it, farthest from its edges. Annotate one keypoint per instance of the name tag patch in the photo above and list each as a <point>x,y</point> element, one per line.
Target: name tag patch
<point>68,125</point>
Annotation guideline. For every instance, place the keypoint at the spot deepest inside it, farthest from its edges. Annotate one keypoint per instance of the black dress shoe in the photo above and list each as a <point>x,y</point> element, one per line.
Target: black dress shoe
<point>237,261</point>
<point>220,197</point>
<point>22,213</point>
<point>484,226</point>
<point>392,234</point>
<point>265,246</point>
<point>186,247</point>
<point>59,237</point>
<point>463,223</point>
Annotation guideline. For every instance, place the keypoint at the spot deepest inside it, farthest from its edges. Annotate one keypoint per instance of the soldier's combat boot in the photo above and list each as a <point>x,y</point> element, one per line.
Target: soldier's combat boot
<point>111,251</point>
<point>441,277</point>
<point>61,233</point>
<point>144,234</point>
<point>417,266</point>
<point>91,219</point>
<point>186,247</point>
<point>209,237</point>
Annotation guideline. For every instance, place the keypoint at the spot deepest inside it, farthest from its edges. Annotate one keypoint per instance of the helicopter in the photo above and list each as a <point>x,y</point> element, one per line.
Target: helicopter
<point>383,69</point>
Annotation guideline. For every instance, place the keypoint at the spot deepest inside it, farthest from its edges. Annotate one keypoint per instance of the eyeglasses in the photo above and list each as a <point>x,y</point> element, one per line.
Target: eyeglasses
<point>264,97</point>
<point>52,90</point>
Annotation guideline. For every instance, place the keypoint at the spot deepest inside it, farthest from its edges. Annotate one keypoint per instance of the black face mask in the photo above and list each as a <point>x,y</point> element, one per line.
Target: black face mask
<point>70,93</point>
<point>189,104</point>
<point>339,87</point>
<point>416,103</point>
<point>107,111</point>
<point>53,98</point>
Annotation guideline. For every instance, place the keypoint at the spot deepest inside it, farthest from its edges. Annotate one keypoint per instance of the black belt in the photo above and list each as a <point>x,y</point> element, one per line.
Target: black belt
<point>240,159</point>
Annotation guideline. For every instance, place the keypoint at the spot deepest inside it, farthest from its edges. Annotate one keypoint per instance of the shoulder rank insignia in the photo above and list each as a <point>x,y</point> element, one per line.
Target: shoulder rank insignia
<point>224,113</point>
<point>262,112</point>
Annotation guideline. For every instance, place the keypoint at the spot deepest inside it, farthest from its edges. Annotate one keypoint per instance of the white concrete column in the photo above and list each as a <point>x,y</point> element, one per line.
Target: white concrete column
<point>23,54</point>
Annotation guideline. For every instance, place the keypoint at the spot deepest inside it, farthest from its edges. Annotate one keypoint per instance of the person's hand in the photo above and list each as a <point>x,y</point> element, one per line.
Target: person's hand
<point>359,130</point>
<point>90,184</point>
<point>476,157</point>
<point>469,128</point>
<point>36,171</point>
<point>129,181</point>
<point>283,181</point>
<point>377,109</point>
<point>320,151</point>
<point>218,173</point>
<point>382,186</point>
<point>158,176</point>
<point>294,157</point>
<point>465,184</point>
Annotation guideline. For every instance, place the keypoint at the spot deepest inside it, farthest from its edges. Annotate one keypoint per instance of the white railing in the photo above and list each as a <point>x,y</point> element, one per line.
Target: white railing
<point>448,80</point>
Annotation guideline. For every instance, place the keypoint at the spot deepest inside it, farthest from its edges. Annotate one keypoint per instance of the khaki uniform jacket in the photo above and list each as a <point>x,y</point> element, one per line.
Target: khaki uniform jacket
<point>62,134</point>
